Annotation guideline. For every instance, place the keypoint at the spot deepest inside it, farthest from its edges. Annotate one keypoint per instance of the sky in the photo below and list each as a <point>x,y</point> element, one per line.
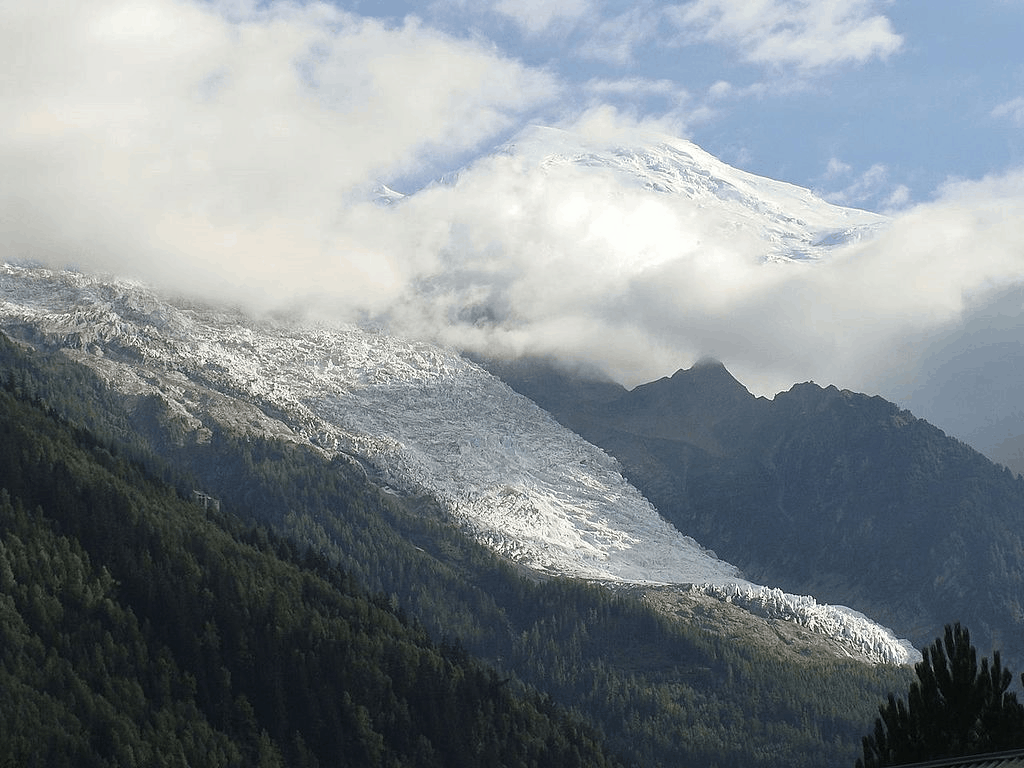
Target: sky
<point>228,149</point>
<point>874,104</point>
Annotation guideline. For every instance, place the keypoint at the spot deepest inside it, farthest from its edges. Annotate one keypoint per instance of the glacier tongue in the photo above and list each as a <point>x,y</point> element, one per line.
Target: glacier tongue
<point>850,628</point>
<point>422,416</point>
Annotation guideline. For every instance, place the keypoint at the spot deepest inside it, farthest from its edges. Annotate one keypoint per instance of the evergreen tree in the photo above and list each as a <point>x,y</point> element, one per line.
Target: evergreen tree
<point>953,708</point>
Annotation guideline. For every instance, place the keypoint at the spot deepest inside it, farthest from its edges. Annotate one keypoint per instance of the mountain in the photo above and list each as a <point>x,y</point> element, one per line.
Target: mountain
<point>663,676</point>
<point>141,628</point>
<point>818,490</point>
<point>419,417</point>
<point>792,222</point>
<point>962,375</point>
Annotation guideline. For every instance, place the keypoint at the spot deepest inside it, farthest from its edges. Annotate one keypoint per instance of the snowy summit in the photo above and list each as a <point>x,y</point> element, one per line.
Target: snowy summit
<point>791,221</point>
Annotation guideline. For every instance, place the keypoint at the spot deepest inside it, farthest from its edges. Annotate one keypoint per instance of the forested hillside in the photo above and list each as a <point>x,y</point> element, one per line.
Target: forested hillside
<point>275,629</point>
<point>140,629</point>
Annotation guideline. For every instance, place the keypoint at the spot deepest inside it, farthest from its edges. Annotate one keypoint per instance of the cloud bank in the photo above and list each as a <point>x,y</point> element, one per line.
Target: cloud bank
<point>229,150</point>
<point>564,259</point>
<point>221,141</point>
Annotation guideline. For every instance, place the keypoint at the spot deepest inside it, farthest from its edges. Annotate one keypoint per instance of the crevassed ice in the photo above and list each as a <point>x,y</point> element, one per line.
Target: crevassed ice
<point>426,419</point>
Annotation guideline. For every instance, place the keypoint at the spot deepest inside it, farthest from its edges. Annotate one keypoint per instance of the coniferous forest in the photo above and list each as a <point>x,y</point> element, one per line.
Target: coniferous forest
<point>314,619</point>
<point>139,630</point>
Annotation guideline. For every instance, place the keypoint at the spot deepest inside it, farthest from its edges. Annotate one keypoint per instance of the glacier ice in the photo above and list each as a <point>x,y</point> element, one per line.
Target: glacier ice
<point>422,416</point>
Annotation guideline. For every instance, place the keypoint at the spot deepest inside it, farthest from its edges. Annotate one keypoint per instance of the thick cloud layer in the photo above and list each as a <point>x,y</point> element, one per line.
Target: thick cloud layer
<point>219,144</point>
<point>567,259</point>
<point>231,151</point>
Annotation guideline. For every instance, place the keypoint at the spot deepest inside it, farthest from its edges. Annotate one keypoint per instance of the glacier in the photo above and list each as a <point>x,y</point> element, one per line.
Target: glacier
<point>420,416</point>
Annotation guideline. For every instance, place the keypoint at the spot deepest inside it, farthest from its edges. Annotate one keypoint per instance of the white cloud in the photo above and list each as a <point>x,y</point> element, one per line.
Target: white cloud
<point>636,85</point>
<point>899,198</point>
<point>614,39</point>
<point>605,124</point>
<point>864,188</point>
<point>565,259</point>
<point>1012,110</point>
<point>936,266</point>
<point>536,16</point>
<point>720,90</point>
<point>808,34</point>
<point>666,105</point>
<point>172,138</point>
<point>871,189</point>
<point>836,167</point>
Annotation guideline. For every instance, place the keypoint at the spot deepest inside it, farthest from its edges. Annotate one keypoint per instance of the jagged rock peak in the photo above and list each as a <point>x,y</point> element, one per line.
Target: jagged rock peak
<point>708,378</point>
<point>707,369</point>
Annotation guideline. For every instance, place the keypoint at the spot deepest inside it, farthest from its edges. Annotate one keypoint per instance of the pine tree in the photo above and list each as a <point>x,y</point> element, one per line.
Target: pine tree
<point>953,708</point>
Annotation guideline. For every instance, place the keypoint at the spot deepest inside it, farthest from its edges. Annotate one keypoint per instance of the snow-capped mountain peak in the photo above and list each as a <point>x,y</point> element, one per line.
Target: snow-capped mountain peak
<point>792,221</point>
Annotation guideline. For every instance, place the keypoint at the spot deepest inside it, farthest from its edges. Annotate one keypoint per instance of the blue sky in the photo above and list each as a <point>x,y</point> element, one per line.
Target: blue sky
<point>876,105</point>
<point>226,148</point>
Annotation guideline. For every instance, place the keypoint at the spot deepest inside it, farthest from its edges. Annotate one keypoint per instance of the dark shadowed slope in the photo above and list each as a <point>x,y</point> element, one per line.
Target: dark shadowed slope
<point>819,490</point>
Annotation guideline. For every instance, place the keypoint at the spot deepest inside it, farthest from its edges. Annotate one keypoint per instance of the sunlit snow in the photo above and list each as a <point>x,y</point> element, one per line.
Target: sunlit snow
<point>424,419</point>
<point>792,222</point>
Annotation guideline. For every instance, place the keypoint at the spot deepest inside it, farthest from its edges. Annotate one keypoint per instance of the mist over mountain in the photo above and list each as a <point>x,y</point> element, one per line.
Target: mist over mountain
<point>821,490</point>
<point>599,240</point>
<point>972,386</point>
<point>636,252</point>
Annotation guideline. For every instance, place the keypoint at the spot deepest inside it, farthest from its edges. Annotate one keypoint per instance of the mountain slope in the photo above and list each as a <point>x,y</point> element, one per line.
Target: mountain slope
<point>422,418</point>
<point>717,685</point>
<point>819,490</point>
<point>139,628</point>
